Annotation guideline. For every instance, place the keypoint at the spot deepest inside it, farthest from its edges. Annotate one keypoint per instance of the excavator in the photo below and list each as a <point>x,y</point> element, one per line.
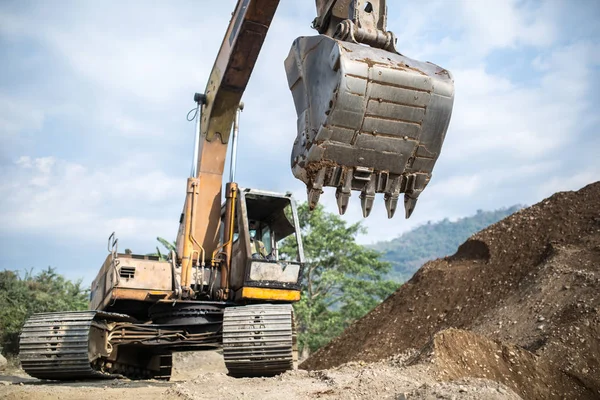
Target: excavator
<point>370,120</point>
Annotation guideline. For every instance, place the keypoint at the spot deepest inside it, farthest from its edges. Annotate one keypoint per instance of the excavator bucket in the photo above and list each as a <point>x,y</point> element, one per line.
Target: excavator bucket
<point>369,120</point>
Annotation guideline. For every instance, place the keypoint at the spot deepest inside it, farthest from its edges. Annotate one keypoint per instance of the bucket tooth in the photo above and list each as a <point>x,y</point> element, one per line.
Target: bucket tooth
<point>315,191</point>
<point>313,198</point>
<point>391,203</point>
<point>343,192</point>
<point>409,205</point>
<point>367,197</point>
<point>392,194</point>
<point>366,202</point>
<point>342,201</point>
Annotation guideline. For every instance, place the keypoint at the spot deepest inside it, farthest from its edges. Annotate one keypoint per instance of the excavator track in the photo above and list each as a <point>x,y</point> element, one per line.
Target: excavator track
<point>70,346</point>
<point>259,340</point>
<point>55,346</point>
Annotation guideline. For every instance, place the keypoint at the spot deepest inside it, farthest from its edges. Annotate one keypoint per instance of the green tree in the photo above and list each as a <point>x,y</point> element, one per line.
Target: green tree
<point>342,279</point>
<point>45,292</point>
<point>169,247</point>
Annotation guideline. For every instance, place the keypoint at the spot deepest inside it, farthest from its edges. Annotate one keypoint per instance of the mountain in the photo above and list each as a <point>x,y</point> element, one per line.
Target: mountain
<point>434,240</point>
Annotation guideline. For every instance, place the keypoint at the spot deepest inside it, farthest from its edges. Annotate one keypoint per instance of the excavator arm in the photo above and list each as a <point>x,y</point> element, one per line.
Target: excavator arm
<point>369,119</point>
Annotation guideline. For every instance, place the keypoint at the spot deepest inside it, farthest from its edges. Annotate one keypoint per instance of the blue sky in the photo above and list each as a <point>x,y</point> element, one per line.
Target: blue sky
<point>93,98</point>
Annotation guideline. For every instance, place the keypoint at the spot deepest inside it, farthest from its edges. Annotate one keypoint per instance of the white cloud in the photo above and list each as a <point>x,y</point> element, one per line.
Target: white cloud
<point>152,53</point>
<point>571,182</point>
<point>17,115</point>
<point>71,201</point>
<point>24,161</point>
<point>456,187</point>
<point>526,121</point>
<point>502,24</point>
<point>466,31</point>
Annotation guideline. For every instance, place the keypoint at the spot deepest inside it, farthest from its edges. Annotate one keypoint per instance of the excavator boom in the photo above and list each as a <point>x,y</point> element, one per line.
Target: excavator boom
<point>228,79</point>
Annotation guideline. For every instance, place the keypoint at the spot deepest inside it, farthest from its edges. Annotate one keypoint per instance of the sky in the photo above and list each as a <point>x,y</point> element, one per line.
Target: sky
<point>94,97</point>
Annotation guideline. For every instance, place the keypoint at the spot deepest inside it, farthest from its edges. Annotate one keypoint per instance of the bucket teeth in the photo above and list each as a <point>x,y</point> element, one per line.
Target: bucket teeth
<point>391,203</point>
<point>392,195</point>
<point>313,198</point>
<point>367,197</point>
<point>366,203</point>
<point>342,200</point>
<point>343,192</point>
<point>369,183</point>
<point>317,188</point>
<point>409,205</point>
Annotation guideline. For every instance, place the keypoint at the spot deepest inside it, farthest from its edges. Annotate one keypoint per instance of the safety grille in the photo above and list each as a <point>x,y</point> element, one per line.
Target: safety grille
<point>127,272</point>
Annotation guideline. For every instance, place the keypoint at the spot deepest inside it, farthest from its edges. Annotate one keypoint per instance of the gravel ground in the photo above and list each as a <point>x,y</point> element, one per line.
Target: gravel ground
<point>203,376</point>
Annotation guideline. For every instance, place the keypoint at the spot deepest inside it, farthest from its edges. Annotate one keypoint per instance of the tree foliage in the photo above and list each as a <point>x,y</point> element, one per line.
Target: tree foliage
<point>22,296</point>
<point>169,247</point>
<point>342,279</point>
<point>427,242</point>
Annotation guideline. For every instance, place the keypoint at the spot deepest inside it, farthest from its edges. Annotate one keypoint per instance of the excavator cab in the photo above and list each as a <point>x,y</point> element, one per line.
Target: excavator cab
<point>267,257</point>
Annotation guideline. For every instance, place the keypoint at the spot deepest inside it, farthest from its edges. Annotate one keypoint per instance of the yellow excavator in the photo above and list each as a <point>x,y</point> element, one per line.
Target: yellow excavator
<point>369,120</point>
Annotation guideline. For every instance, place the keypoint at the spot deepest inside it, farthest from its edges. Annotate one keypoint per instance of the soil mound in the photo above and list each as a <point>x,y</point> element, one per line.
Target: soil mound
<point>532,279</point>
<point>458,354</point>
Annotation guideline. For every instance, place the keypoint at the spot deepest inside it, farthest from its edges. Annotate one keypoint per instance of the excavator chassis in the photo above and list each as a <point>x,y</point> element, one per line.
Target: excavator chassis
<point>259,340</point>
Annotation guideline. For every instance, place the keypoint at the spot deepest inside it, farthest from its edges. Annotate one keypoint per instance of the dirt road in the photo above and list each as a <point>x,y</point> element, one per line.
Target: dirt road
<point>203,376</point>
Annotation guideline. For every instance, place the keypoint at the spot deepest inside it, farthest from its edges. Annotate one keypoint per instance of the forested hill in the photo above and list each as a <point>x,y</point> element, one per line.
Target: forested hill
<point>434,240</point>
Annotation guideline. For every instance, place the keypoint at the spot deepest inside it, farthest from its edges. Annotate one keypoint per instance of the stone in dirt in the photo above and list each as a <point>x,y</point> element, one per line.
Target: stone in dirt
<point>515,270</point>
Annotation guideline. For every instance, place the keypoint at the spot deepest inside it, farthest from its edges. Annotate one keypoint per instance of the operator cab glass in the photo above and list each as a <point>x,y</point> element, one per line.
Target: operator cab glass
<point>273,237</point>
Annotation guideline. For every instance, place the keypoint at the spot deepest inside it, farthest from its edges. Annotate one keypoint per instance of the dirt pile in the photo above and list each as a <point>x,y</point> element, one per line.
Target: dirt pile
<point>532,279</point>
<point>457,354</point>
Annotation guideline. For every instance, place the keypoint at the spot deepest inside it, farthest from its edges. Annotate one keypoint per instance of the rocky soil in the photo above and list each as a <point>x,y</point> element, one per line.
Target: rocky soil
<point>203,376</point>
<point>515,313</point>
<point>528,285</point>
